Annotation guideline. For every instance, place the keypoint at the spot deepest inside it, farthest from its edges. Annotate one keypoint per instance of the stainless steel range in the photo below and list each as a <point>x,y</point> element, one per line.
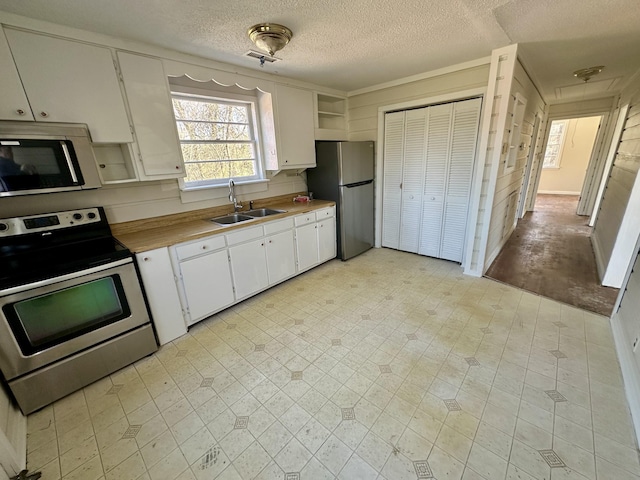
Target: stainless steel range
<point>71,306</point>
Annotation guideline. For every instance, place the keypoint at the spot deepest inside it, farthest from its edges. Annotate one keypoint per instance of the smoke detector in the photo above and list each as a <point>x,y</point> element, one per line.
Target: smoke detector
<point>585,74</point>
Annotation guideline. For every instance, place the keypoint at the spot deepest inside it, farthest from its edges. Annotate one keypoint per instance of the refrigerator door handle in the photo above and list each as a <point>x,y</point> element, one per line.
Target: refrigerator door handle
<point>359,184</point>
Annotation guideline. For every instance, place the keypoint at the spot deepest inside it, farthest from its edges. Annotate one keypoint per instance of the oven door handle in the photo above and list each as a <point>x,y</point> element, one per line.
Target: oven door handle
<point>62,278</point>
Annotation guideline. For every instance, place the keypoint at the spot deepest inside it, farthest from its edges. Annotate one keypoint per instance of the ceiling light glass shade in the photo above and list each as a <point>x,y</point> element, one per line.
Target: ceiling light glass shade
<point>270,37</point>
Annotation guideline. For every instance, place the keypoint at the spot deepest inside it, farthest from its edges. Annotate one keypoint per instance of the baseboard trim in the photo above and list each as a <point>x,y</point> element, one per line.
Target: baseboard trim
<point>630,372</point>
<point>597,251</point>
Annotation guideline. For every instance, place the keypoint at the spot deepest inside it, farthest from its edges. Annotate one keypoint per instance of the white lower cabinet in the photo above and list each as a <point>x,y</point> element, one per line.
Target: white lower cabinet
<point>194,280</point>
<point>249,267</point>
<point>281,259</point>
<point>307,246</point>
<point>162,294</point>
<point>207,285</point>
<point>326,239</point>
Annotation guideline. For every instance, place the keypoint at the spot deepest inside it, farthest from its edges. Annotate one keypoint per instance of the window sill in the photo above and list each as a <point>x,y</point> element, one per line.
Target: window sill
<point>212,192</point>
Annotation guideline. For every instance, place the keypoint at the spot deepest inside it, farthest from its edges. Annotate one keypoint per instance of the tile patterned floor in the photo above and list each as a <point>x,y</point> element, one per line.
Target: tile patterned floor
<point>390,366</point>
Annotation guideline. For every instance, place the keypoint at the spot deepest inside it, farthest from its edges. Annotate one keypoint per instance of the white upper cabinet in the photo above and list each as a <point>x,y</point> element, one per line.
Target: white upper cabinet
<point>13,101</point>
<point>294,129</point>
<point>149,99</point>
<point>67,81</point>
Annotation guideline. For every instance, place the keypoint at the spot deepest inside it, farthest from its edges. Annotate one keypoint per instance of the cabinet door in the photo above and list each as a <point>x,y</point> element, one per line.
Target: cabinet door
<point>281,260</point>
<point>162,294</point>
<point>392,181</point>
<point>466,116</point>
<point>74,82</point>
<point>249,267</point>
<point>295,128</point>
<point>412,179</point>
<point>207,284</point>
<point>13,101</point>
<point>151,109</point>
<point>438,151</point>
<point>326,239</point>
<point>307,246</point>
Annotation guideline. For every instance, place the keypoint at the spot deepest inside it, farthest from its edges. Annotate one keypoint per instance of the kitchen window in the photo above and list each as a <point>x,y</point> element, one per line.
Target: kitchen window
<point>553,153</point>
<point>219,139</point>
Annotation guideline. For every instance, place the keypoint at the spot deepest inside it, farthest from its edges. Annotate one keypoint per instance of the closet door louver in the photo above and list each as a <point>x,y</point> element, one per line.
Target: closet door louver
<point>438,142</point>
<point>464,135</point>
<point>392,178</point>
<point>412,178</point>
<point>428,167</point>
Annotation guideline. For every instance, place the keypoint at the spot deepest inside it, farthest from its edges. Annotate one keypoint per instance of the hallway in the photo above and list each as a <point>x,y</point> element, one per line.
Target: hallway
<point>550,254</point>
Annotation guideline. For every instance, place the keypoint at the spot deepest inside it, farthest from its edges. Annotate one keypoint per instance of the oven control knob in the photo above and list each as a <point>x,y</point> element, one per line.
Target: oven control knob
<point>91,215</point>
<point>77,216</point>
<point>3,227</point>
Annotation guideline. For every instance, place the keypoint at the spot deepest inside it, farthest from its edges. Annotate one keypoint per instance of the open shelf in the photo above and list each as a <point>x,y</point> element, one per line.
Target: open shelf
<point>331,117</point>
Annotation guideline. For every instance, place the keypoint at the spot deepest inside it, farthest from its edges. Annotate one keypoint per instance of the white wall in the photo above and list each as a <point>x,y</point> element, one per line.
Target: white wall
<point>618,223</point>
<point>509,183</point>
<point>579,138</point>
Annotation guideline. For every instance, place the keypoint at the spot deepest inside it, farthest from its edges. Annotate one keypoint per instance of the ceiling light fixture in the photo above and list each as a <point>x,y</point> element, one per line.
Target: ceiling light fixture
<point>585,74</point>
<point>269,37</point>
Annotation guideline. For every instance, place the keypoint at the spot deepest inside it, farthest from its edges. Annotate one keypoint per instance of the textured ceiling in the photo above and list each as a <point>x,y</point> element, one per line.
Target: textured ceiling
<point>359,43</point>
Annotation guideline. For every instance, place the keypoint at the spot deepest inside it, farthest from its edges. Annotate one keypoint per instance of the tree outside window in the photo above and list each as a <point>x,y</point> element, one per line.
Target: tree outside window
<point>218,140</point>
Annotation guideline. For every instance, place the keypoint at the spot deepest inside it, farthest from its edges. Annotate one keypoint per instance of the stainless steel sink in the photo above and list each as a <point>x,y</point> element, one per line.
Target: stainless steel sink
<point>263,212</point>
<point>231,219</point>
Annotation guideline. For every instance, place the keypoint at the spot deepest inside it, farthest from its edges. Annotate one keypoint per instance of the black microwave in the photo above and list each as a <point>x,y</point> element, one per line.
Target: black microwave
<point>45,158</point>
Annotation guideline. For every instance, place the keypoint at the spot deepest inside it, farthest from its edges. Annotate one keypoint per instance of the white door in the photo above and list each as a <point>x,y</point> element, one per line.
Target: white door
<point>307,246</point>
<point>249,267</point>
<point>326,239</point>
<point>281,260</point>
<point>295,128</point>
<point>438,151</point>
<point>464,135</point>
<point>207,284</point>
<point>412,179</point>
<point>13,101</point>
<point>392,178</point>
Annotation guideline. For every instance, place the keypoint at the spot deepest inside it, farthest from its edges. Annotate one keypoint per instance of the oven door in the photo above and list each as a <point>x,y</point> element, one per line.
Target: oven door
<point>47,321</point>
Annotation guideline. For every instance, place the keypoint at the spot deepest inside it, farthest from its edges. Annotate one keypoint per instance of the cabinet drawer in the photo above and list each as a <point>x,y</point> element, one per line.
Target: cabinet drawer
<point>278,226</point>
<point>304,219</point>
<point>244,235</point>
<point>325,213</point>
<point>196,248</point>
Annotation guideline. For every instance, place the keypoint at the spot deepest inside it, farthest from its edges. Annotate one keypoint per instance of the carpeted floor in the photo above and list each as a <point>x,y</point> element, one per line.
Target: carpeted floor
<point>550,254</point>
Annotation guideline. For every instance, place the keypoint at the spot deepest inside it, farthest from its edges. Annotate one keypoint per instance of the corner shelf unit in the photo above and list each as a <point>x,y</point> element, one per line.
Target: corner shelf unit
<point>331,117</point>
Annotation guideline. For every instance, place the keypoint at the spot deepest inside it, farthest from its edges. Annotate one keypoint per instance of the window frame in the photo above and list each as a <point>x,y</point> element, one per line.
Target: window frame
<point>563,136</point>
<point>229,98</point>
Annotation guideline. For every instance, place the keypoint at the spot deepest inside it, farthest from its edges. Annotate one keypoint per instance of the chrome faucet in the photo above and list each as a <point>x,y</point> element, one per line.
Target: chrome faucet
<point>232,196</point>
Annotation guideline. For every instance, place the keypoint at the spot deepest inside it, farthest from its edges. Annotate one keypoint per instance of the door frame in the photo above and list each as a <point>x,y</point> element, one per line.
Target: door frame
<point>527,174</point>
<point>595,167</point>
<point>564,116</point>
<point>422,102</point>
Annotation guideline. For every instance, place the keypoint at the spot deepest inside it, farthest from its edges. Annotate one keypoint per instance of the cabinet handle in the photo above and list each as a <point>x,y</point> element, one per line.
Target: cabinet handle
<point>270,241</point>
<point>20,111</point>
<point>102,165</point>
<point>44,114</point>
<point>204,247</point>
<point>177,167</point>
<point>262,244</point>
<point>146,259</point>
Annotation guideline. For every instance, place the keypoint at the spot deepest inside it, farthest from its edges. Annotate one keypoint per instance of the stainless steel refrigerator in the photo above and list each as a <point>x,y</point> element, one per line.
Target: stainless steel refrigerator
<point>344,174</point>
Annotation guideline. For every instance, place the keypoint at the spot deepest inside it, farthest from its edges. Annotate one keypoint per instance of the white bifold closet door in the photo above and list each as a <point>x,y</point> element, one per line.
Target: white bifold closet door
<point>428,178</point>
